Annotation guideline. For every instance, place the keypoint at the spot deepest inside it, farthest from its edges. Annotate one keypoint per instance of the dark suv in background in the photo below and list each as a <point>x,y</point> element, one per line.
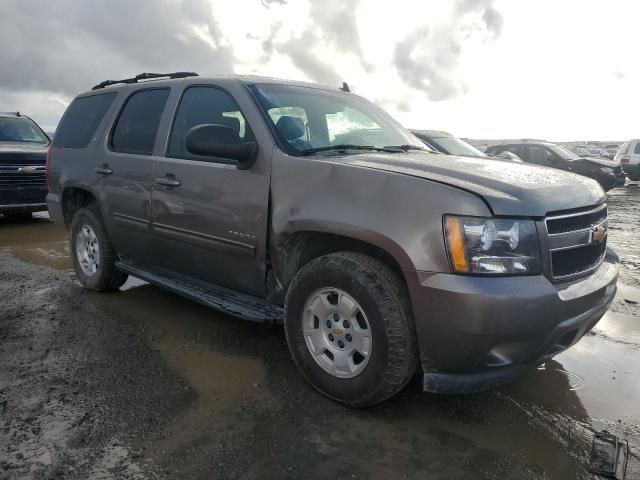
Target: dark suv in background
<point>23,150</point>
<point>608,174</point>
<point>276,200</point>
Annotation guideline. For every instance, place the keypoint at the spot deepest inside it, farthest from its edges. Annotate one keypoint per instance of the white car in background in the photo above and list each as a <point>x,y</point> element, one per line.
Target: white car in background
<point>587,151</point>
<point>629,157</point>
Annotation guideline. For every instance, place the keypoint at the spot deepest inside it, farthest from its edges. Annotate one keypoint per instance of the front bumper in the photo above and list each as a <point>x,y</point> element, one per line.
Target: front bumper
<point>22,199</point>
<point>23,208</point>
<point>632,170</point>
<point>475,333</point>
<point>612,181</point>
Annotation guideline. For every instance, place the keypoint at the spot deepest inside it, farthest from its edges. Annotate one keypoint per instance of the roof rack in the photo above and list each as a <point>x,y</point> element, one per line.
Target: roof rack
<point>145,76</point>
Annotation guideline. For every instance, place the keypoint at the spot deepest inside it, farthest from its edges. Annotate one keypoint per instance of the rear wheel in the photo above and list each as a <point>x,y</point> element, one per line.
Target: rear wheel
<point>92,253</point>
<point>350,329</point>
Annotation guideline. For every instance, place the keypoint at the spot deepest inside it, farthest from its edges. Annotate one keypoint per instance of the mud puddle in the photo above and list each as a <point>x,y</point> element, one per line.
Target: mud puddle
<point>247,385</point>
<point>36,241</point>
<point>210,351</point>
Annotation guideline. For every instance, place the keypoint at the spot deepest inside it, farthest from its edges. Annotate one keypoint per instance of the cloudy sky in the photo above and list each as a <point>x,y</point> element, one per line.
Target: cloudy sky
<point>560,70</point>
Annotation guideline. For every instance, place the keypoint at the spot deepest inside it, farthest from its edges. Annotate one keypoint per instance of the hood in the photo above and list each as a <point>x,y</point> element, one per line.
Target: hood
<point>14,153</point>
<point>509,188</point>
<point>23,147</point>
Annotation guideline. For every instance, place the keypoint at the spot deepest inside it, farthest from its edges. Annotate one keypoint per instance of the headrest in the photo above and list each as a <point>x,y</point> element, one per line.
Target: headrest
<point>290,127</point>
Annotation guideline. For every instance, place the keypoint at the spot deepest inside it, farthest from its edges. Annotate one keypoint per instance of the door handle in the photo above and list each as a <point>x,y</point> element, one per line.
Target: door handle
<point>103,170</point>
<point>168,181</point>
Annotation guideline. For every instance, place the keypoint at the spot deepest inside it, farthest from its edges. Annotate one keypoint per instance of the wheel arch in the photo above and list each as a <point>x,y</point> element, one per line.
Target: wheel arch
<point>73,199</point>
<point>302,246</point>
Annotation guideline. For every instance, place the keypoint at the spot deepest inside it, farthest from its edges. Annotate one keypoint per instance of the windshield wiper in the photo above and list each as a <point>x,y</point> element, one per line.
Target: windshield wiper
<point>311,151</point>
<point>408,147</point>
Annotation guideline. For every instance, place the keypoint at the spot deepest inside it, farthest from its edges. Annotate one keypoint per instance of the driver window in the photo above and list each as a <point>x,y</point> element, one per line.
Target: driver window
<point>205,106</point>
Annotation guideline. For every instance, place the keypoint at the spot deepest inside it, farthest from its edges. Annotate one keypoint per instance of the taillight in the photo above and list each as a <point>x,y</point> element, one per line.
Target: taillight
<point>624,159</point>
<point>46,169</point>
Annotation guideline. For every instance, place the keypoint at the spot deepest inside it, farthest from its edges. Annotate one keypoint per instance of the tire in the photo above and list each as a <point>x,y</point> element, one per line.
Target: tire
<point>106,277</point>
<point>384,304</point>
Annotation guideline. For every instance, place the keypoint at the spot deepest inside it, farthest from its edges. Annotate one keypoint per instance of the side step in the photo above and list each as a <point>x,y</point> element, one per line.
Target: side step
<point>219,298</point>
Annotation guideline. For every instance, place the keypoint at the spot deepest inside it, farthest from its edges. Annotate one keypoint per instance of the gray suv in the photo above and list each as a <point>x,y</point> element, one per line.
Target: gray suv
<point>273,200</point>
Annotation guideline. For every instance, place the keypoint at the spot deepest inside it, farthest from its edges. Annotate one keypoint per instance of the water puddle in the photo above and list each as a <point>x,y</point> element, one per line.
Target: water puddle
<point>618,327</point>
<point>36,241</point>
<point>54,255</point>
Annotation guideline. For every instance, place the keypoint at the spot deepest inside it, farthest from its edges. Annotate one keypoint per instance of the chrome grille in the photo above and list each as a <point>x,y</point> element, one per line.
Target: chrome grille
<point>577,242</point>
<point>576,221</point>
<point>22,175</point>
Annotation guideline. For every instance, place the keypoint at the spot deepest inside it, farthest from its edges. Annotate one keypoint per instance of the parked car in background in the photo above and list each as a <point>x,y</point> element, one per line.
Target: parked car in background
<point>23,150</point>
<point>610,150</point>
<point>629,156</point>
<point>608,173</point>
<point>377,254</point>
<point>446,143</point>
<point>507,155</point>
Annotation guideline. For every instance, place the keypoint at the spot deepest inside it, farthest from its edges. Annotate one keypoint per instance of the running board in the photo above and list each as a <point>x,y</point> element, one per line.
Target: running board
<point>219,298</point>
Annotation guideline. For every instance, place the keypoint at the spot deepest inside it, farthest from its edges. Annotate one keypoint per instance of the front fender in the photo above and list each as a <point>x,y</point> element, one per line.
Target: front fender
<point>399,213</point>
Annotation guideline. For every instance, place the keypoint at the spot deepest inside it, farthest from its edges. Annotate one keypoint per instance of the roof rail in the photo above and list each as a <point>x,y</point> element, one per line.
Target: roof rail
<point>145,76</point>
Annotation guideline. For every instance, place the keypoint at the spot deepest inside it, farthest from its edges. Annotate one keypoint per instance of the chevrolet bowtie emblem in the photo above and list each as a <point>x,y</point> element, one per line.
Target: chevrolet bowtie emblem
<point>598,234</point>
<point>26,170</point>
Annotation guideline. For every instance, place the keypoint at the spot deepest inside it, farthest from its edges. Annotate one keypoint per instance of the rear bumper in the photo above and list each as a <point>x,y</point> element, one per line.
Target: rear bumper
<point>477,333</point>
<point>54,206</point>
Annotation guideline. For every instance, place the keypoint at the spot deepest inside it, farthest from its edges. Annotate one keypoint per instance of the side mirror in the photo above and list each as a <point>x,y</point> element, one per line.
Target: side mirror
<point>221,141</point>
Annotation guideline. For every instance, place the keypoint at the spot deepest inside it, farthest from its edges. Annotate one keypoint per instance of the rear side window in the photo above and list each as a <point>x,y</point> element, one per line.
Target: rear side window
<point>81,120</point>
<point>137,125</point>
<point>636,150</point>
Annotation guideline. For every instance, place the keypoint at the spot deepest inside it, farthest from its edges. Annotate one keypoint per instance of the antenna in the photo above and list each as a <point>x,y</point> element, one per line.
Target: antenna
<point>345,87</point>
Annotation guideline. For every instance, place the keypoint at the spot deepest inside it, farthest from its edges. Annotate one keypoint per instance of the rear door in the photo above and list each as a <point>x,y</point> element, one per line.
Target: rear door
<point>125,169</point>
<point>209,218</point>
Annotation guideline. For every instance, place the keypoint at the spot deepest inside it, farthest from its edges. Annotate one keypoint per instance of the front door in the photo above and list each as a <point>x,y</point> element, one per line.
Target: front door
<point>209,218</point>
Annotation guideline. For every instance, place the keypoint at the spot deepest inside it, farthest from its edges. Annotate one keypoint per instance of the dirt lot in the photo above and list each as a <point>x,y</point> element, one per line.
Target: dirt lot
<point>143,384</point>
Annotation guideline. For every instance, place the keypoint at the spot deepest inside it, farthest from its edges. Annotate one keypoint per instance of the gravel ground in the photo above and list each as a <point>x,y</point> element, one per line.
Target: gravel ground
<point>143,384</point>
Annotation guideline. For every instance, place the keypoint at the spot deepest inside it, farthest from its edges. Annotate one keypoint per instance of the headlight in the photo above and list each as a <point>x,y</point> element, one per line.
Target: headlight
<point>492,246</point>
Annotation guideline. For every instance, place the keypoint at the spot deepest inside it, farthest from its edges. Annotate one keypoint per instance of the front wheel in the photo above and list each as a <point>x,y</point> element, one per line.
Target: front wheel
<point>350,330</point>
<point>92,253</point>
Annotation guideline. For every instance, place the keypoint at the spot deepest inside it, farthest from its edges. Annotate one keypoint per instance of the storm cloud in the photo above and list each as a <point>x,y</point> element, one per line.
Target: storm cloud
<point>67,46</point>
<point>333,25</point>
<point>54,50</point>
<point>428,57</point>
